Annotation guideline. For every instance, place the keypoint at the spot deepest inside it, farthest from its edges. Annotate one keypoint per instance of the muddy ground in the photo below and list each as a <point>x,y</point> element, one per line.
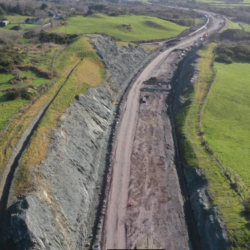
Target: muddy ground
<point>143,168</point>
<point>154,192</point>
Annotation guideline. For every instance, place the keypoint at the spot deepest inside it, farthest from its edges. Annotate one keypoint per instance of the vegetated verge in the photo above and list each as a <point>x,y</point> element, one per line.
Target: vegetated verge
<point>232,25</point>
<point>125,28</point>
<point>196,152</point>
<point>79,68</point>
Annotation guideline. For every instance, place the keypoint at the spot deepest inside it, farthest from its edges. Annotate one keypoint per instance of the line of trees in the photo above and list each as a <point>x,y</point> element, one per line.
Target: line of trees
<point>239,49</point>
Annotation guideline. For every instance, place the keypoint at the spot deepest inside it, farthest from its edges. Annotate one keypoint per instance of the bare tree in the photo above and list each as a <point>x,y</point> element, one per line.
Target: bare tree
<point>41,14</point>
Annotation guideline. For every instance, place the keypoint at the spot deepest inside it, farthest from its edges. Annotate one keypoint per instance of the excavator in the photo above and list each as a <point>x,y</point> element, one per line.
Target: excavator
<point>205,35</point>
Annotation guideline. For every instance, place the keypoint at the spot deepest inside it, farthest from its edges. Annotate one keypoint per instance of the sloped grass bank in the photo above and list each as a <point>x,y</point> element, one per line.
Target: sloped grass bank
<point>142,27</point>
<point>226,117</point>
<point>79,68</point>
<point>232,25</point>
<point>194,153</point>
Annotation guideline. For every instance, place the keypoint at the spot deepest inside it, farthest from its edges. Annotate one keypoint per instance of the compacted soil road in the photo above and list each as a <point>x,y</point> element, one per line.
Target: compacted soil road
<point>144,172</point>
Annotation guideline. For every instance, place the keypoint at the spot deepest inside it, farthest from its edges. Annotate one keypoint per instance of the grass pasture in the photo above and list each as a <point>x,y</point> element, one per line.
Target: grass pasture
<point>10,107</point>
<point>247,27</point>
<point>9,27</point>
<point>143,27</point>
<point>232,25</point>
<point>226,117</point>
<point>16,18</point>
<point>194,153</point>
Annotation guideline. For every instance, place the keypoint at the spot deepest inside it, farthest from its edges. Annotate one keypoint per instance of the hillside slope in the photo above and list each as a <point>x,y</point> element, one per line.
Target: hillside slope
<point>142,27</point>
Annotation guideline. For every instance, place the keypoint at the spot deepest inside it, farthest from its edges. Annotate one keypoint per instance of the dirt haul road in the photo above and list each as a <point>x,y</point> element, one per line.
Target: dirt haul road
<point>144,171</point>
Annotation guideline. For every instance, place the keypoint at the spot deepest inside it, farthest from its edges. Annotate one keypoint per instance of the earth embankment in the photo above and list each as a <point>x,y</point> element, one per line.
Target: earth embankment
<point>211,227</point>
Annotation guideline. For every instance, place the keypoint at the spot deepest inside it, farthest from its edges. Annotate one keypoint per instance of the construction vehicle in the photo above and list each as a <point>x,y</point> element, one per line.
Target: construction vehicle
<point>206,34</point>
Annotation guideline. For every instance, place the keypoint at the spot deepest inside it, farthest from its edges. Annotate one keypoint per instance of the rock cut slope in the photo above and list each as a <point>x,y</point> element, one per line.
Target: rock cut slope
<point>60,213</point>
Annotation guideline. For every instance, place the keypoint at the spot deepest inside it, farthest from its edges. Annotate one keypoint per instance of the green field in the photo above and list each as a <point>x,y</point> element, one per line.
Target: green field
<point>143,27</point>
<point>9,108</point>
<point>9,27</point>
<point>194,150</point>
<point>232,25</point>
<point>247,27</point>
<point>16,19</point>
<point>226,117</point>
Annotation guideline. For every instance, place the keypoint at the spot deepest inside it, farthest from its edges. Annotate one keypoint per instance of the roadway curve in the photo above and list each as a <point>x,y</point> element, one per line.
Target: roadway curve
<point>114,235</point>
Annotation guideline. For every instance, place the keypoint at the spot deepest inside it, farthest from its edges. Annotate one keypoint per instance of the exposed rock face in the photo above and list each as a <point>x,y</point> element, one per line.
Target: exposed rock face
<point>60,214</point>
<point>211,228</point>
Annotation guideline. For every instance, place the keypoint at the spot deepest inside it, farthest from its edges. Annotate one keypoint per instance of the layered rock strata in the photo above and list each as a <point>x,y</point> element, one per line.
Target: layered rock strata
<point>60,213</point>
<point>211,228</point>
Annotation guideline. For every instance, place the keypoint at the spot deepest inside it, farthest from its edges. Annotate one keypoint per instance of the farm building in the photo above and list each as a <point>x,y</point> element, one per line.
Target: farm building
<point>4,23</point>
<point>36,21</point>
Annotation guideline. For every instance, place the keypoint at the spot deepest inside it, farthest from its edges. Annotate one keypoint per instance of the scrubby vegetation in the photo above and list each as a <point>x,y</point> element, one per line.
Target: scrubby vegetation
<point>46,37</point>
<point>22,110</point>
<point>9,57</point>
<point>15,91</point>
<point>235,45</point>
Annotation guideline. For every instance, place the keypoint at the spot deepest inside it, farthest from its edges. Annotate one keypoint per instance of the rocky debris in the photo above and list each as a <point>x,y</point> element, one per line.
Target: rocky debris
<point>212,229</point>
<point>113,58</point>
<point>148,243</point>
<point>60,213</point>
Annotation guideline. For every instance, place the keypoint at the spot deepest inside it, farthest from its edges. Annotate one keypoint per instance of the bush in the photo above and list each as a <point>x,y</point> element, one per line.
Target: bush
<point>247,204</point>
<point>29,34</point>
<point>13,94</point>
<point>9,57</point>
<point>25,93</point>
<point>226,51</point>
<point>242,56</point>
<point>59,38</point>
<point>235,35</point>
<point>43,6</point>
<point>223,58</point>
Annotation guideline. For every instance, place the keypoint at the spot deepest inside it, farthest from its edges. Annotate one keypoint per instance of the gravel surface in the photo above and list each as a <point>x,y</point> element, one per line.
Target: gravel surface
<point>129,181</point>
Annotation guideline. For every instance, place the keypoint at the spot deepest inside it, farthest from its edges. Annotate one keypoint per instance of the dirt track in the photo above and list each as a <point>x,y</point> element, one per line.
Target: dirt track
<point>144,171</point>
